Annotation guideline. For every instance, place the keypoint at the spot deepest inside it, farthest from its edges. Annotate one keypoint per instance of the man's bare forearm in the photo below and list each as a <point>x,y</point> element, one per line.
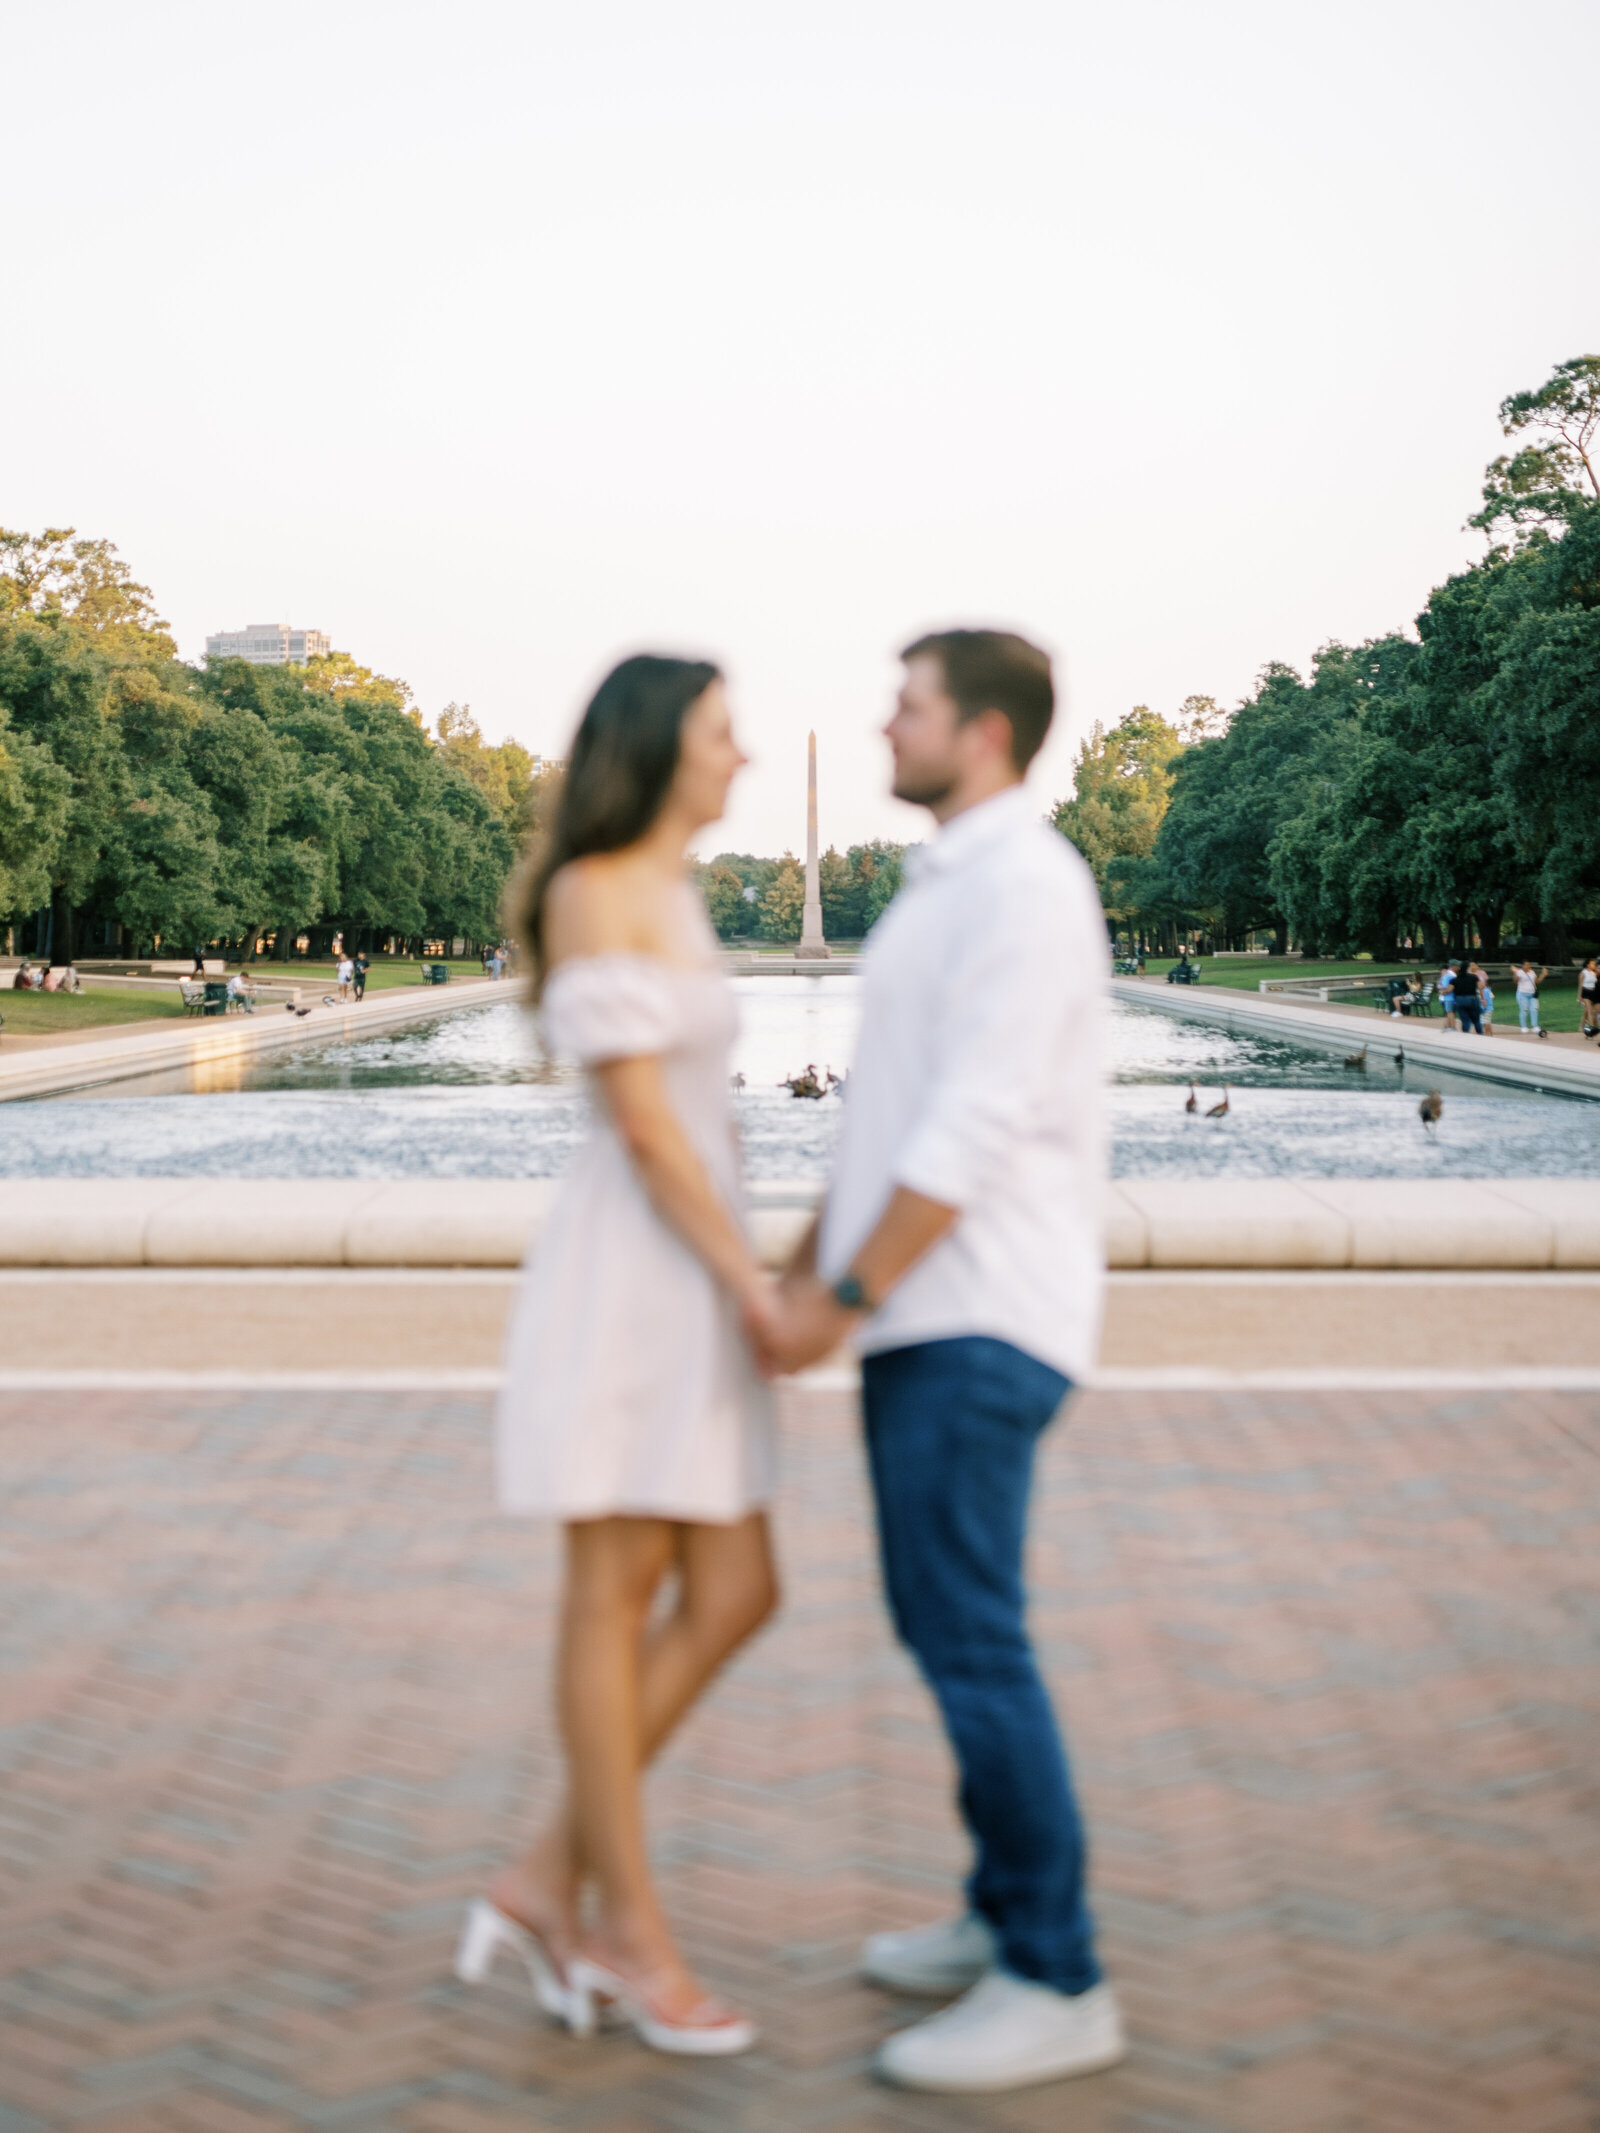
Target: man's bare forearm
<point>909,1226</point>
<point>813,1320</point>
<point>803,1259</point>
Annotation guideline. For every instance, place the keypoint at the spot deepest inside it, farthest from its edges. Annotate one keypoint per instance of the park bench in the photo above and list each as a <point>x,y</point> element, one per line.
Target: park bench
<point>193,997</point>
<point>1421,1001</point>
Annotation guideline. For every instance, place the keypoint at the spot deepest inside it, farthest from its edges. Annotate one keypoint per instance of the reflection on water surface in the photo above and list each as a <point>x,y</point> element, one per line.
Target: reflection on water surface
<point>473,1095</point>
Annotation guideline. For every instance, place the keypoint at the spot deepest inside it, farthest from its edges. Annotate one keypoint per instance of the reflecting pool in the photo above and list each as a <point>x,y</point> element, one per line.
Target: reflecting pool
<point>473,1094</point>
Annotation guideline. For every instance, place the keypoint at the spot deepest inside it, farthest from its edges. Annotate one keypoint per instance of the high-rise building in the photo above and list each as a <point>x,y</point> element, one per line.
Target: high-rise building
<point>270,644</point>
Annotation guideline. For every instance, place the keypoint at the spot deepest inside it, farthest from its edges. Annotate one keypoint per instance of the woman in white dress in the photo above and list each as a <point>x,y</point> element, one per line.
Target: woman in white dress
<point>632,1409</point>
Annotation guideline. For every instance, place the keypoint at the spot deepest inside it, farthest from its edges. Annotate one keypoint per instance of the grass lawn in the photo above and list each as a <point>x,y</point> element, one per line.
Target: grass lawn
<point>44,1014</point>
<point>385,971</point>
<point>1246,971</point>
<point>1558,997</point>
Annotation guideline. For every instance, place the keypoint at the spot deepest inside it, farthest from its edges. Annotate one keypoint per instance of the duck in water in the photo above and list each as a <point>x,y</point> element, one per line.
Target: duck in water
<point>806,1085</point>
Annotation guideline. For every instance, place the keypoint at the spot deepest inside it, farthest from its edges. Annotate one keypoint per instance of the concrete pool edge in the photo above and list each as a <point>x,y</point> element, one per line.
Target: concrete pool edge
<point>227,1040</point>
<point>1357,1224</point>
<point>1504,1058</point>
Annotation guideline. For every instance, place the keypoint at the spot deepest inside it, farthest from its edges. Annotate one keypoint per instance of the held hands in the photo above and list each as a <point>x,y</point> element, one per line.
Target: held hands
<point>793,1323</point>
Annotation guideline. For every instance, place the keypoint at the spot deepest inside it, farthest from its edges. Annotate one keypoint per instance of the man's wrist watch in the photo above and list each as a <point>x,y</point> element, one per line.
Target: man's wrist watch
<point>849,1295</point>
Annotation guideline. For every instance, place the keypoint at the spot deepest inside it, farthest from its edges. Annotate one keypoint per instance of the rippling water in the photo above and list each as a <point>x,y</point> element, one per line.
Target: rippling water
<point>472,1095</point>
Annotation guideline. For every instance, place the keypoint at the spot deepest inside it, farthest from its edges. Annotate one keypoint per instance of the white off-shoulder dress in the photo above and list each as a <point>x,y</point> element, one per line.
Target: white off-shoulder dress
<point>629,1387</point>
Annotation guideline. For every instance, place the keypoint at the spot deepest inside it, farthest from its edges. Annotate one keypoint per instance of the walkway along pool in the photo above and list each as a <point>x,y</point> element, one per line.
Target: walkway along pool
<point>471,1094</point>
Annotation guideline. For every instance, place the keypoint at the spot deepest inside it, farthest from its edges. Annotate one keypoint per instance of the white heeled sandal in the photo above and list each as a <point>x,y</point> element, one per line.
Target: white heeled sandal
<point>712,2031</point>
<point>486,1930</point>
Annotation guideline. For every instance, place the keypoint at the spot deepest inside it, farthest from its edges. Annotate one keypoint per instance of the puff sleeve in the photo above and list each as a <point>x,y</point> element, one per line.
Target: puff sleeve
<point>600,1007</point>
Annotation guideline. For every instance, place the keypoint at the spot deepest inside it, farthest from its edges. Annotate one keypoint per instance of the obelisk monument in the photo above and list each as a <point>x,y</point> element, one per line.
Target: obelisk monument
<point>811,940</point>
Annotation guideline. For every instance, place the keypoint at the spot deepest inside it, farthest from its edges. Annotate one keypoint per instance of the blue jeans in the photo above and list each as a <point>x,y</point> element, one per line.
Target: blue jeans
<point>951,1427</point>
<point>1469,1013</point>
<point>1527,1010</point>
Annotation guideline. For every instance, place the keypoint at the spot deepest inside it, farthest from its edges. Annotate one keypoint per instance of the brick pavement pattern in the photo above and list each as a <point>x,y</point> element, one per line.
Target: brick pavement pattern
<point>274,1684</point>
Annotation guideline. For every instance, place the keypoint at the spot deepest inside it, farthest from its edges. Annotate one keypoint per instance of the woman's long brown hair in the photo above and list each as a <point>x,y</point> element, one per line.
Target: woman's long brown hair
<point>618,774</point>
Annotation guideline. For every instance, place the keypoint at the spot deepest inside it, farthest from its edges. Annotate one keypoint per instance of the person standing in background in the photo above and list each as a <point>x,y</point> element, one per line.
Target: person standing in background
<point>362,964</point>
<point>1469,999</point>
<point>1527,985</point>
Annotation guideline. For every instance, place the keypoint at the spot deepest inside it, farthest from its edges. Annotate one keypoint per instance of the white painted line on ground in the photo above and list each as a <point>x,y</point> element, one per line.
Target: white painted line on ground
<point>300,1275</point>
<point>830,1378</point>
<point>249,1380</point>
<point>1515,1377</point>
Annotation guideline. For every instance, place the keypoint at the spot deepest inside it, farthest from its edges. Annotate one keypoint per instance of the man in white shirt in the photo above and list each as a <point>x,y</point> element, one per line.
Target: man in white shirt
<point>961,1247</point>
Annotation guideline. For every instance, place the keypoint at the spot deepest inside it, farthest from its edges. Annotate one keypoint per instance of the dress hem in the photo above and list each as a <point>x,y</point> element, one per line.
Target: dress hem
<point>673,1515</point>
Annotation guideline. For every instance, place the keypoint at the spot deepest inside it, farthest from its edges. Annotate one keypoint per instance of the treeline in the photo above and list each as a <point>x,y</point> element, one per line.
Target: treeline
<point>764,899</point>
<point>1416,792</point>
<point>147,802</point>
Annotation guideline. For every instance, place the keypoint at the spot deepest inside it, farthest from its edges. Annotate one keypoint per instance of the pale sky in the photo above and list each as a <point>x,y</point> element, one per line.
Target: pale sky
<point>499,340</point>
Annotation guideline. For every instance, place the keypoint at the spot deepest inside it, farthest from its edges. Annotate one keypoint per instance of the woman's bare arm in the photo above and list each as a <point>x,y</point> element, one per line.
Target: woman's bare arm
<point>635,1094</point>
<point>596,908</point>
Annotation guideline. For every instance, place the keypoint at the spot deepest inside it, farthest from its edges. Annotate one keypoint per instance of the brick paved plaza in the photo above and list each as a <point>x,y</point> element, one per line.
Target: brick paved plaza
<point>274,1702</point>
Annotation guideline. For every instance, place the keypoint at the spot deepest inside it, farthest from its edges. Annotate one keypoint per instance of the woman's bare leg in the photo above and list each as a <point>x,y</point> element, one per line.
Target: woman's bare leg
<point>727,1589</point>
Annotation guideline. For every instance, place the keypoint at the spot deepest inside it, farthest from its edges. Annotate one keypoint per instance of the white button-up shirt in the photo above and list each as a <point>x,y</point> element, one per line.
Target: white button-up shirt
<point>978,1081</point>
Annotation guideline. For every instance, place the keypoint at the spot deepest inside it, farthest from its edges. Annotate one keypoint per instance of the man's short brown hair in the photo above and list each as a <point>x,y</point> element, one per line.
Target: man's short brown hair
<point>995,670</point>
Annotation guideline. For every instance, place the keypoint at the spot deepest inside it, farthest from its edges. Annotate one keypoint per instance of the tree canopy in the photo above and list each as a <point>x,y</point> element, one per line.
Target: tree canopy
<point>855,888</point>
<point>1419,788</point>
<point>157,801</point>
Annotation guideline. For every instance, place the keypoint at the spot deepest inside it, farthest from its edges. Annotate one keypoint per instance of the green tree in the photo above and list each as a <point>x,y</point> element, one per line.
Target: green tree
<point>1531,492</point>
<point>1200,718</point>
<point>1122,784</point>
<point>55,573</point>
<point>841,897</point>
<point>35,795</point>
<point>57,683</point>
<point>884,882</point>
<point>782,905</point>
<point>1231,795</point>
<point>504,775</point>
<point>1542,706</point>
<point>724,899</point>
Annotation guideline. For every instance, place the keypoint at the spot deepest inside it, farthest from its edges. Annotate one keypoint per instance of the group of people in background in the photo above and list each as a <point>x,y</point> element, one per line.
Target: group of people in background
<point>37,977</point>
<point>1467,996</point>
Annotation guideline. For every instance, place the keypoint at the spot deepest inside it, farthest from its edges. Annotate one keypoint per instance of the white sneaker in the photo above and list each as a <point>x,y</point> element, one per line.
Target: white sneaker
<point>937,1960</point>
<point>1005,2034</point>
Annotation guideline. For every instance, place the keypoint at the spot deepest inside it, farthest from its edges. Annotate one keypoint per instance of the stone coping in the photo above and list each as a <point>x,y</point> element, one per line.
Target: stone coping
<point>751,965</point>
<point>1505,1057</point>
<point>218,1042</point>
<point>1283,1223</point>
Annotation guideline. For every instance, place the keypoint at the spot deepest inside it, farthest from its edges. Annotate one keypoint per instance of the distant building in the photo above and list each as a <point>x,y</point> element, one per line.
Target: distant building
<point>270,644</point>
